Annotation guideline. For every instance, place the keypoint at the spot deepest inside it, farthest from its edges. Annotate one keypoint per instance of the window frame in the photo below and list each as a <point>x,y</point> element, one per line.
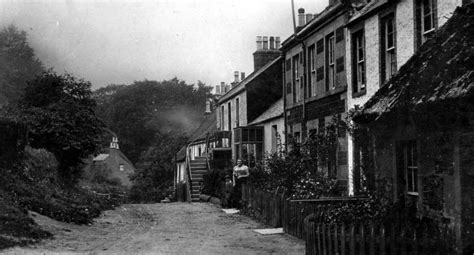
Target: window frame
<point>359,69</point>
<point>388,53</point>
<point>312,74</point>
<point>330,61</point>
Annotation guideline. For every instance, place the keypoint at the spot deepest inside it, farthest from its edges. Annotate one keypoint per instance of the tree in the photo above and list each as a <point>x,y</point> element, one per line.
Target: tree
<point>139,111</point>
<point>59,112</point>
<point>18,64</point>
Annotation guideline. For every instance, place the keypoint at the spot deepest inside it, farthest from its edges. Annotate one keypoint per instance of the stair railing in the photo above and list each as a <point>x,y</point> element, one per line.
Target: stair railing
<point>189,183</point>
<point>207,153</point>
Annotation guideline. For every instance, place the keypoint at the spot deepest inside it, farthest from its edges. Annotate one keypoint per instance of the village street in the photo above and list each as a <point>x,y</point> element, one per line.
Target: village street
<point>176,228</point>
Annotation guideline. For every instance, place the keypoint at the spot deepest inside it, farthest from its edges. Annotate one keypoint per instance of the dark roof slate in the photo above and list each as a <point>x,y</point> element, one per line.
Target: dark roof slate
<point>208,126</point>
<point>243,84</point>
<point>274,111</point>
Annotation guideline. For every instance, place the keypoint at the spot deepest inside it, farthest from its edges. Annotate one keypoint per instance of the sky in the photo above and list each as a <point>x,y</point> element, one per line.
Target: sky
<point>118,42</point>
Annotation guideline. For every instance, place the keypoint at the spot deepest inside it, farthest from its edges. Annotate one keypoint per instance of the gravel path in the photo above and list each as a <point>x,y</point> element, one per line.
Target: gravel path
<point>176,228</point>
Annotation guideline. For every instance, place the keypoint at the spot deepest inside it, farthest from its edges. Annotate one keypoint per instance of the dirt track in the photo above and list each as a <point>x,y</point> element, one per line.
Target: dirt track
<point>176,228</point>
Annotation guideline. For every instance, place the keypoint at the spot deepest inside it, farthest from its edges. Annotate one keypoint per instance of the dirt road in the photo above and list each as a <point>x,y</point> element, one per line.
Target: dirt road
<point>176,228</point>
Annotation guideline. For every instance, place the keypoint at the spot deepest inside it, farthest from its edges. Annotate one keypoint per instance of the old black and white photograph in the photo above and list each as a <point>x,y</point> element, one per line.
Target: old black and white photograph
<point>318,127</point>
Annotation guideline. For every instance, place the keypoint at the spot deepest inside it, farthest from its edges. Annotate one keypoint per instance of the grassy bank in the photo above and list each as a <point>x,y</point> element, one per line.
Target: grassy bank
<point>30,182</point>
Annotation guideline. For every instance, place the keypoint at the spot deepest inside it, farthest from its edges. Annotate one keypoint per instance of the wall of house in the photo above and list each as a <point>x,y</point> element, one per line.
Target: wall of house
<point>180,171</point>
<point>113,162</point>
<point>196,147</point>
<point>242,96</point>
<point>264,90</point>
<point>405,48</point>
<point>466,181</point>
<point>268,133</point>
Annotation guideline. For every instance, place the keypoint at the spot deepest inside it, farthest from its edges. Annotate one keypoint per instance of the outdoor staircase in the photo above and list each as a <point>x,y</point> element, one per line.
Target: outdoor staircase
<point>198,169</point>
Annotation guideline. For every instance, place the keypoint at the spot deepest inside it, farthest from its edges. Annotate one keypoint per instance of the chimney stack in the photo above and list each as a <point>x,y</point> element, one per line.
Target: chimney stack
<point>242,76</point>
<point>223,88</point>
<point>218,90</point>
<point>309,17</point>
<point>267,50</point>
<point>208,107</point>
<point>236,77</point>
<point>301,17</point>
<point>114,143</point>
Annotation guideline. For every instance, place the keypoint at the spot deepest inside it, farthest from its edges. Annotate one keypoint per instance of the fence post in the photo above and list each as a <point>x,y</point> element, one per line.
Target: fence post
<point>372,240</point>
<point>324,239</point>
<point>393,250</point>
<point>382,240</point>
<point>336,244</point>
<point>343,239</point>
<point>318,238</point>
<point>403,246</point>
<point>362,239</point>
<point>351,240</point>
<point>329,240</point>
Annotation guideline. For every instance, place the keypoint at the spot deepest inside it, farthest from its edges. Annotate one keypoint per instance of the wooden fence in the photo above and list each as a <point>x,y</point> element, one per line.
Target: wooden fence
<point>329,239</point>
<point>265,206</point>
<point>295,212</point>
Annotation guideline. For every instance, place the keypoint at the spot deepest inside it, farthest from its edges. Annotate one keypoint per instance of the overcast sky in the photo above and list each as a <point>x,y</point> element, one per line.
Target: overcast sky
<point>118,42</point>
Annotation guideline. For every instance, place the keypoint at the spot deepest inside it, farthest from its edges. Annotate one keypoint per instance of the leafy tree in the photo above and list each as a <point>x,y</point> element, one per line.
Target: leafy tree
<point>154,177</point>
<point>18,64</point>
<point>59,112</point>
<point>138,111</point>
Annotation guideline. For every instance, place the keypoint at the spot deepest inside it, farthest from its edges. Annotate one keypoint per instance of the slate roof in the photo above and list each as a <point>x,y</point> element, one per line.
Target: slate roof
<point>208,126</point>
<point>441,69</point>
<point>274,111</point>
<point>243,84</point>
<point>181,154</point>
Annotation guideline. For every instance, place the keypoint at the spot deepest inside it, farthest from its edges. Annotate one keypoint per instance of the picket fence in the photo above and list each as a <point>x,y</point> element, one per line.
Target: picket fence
<point>303,219</point>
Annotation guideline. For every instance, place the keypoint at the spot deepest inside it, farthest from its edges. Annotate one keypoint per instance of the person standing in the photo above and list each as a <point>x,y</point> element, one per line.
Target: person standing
<point>239,174</point>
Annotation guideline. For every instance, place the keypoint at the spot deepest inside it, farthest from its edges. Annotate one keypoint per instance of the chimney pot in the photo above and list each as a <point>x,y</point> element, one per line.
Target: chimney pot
<point>236,76</point>
<point>272,43</point>
<point>265,43</point>
<point>259,43</point>
<point>277,42</point>
<point>301,17</point>
<point>309,17</point>
<point>242,76</point>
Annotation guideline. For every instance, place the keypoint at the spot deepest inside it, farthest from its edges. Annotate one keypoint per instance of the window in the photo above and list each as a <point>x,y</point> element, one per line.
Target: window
<point>249,144</point>
<point>408,165</point>
<point>297,137</point>
<point>411,167</point>
<point>296,80</point>
<point>222,117</point>
<point>229,115</point>
<point>274,138</point>
<point>426,21</point>
<point>428,16</point>
<point>330,63</point>
<point>237,112</point>
<point>388,52</point>
<point>312,68</point>
<point>288,65</point>
<point>358,63</point>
